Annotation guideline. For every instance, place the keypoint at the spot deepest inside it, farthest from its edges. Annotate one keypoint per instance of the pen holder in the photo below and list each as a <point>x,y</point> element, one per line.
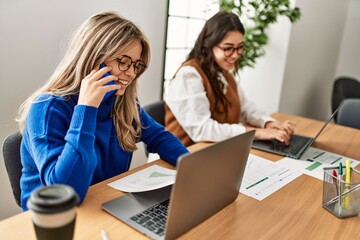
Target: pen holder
<point>340,198</point>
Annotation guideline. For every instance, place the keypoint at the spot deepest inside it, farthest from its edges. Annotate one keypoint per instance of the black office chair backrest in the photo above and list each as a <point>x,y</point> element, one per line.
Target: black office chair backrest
<point>344,88</point>
<point>11,154</point>
<point>156,110</point>
<point>349,113</point>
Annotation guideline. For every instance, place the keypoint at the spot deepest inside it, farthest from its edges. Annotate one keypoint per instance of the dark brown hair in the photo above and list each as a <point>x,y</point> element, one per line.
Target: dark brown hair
<point>213,32</point>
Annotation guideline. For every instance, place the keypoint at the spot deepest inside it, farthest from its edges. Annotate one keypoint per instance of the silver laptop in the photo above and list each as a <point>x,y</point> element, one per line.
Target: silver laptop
<point>298,144</point>
<point>207,180</point>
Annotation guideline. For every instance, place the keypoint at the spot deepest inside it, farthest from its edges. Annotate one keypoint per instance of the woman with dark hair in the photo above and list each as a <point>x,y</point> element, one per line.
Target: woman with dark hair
<point>204,102</point>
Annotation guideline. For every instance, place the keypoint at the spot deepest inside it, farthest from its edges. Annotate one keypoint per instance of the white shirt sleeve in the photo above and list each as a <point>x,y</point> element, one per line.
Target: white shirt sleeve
<point>186,97</point>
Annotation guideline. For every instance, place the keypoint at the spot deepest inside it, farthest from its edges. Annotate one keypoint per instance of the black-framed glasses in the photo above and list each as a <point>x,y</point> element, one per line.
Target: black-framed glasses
<point>125,62</point>
<point>229,51</point>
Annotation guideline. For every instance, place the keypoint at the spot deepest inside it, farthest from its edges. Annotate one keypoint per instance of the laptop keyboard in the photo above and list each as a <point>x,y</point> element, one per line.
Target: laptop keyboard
<point>296,143</point>
<point>153,218</point>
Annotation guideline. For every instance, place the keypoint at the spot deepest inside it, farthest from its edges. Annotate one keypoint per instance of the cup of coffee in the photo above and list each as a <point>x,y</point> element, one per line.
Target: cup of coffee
<point>53,210</point>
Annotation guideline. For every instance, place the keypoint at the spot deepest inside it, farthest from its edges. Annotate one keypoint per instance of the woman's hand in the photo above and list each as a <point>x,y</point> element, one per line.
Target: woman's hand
<point>286,126</point>
<point>279,131</point>
<point>93,88</point>
<point>270,134</point>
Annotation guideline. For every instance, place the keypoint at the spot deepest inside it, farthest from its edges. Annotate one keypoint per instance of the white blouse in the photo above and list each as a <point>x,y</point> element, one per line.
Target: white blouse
<point>186,97</point>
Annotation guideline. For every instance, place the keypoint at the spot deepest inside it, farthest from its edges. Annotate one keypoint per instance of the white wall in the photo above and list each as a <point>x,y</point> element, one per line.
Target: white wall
<point>348,61</point>
<point>302,59</point>
<point>33,35</point>
<point>263,83</point>
<point>314,50</point>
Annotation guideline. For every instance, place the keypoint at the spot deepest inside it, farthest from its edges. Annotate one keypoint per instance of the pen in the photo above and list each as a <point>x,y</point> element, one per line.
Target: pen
<point>347,168</point>
<point>104,235</point>
<point>340,171</point>
<point>335,179</point>
<point>347,183</point>
<point>334,174</point>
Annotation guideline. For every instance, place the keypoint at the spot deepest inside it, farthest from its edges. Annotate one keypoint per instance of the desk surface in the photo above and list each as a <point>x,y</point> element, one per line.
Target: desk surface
<point>293,212</point>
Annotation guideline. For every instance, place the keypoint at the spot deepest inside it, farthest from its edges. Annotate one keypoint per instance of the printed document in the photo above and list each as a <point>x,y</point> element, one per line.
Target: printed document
<point>263,177</point>
<point>314,160</point>
<point>151,178</point>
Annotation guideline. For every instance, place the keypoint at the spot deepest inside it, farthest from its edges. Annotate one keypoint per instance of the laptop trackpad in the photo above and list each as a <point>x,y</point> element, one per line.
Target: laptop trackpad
<point>130,204</point>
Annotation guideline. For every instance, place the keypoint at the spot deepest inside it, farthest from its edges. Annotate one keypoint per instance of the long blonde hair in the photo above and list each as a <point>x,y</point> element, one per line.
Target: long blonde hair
<point>95,41</point>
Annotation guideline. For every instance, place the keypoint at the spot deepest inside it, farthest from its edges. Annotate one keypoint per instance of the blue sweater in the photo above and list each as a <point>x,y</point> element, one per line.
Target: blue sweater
<point>77,145</point>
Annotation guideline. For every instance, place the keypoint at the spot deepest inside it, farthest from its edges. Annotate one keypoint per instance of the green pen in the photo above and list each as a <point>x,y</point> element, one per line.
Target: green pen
<point>340,169</point>
<point>340,173</point>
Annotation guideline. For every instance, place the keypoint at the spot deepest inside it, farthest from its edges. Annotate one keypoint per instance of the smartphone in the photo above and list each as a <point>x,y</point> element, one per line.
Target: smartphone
<point>108,94</point>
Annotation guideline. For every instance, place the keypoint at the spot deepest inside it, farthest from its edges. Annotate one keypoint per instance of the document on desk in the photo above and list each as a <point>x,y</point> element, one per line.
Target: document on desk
<point>263,177</point>
<point>314,160</point>
<point>151,178</point>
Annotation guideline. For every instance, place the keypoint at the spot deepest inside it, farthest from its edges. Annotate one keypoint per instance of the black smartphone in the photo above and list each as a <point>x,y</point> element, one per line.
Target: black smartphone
<point>108,94</point>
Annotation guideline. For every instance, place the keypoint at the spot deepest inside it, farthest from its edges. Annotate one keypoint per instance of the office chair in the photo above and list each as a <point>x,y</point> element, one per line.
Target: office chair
<point>349,113</point>
<point>11,154</point>
<point>344,88</point>
<point>156,110</point>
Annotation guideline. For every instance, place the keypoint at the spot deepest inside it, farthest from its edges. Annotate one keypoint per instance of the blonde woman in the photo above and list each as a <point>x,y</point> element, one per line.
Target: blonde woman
<point>75,136</point>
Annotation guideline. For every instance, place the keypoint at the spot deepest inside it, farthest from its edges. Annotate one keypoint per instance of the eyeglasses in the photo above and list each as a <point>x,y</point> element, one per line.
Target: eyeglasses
<point>229,51</point>
<point>125,62</point>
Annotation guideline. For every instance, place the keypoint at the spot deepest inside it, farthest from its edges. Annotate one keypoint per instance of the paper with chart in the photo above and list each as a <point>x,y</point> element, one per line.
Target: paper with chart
<point>263,177</point>
<point>151,178</point>
<point>314,160</point>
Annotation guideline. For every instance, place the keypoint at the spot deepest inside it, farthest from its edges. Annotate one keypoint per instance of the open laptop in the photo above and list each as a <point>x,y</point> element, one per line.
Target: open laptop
<point>298,143</point>
<point>207,180</point>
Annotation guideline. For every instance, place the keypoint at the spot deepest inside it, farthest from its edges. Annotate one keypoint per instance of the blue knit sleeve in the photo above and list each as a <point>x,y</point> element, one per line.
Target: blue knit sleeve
<point>60,141</point>
<point>160,141</point>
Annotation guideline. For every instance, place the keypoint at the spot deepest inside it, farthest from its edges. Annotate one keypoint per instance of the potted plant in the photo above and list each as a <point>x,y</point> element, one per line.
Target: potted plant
<point>257,15</point>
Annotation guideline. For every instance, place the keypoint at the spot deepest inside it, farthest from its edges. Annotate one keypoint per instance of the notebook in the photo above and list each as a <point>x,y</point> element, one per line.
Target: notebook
<point>298,143</point>
<point>207,180</point>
